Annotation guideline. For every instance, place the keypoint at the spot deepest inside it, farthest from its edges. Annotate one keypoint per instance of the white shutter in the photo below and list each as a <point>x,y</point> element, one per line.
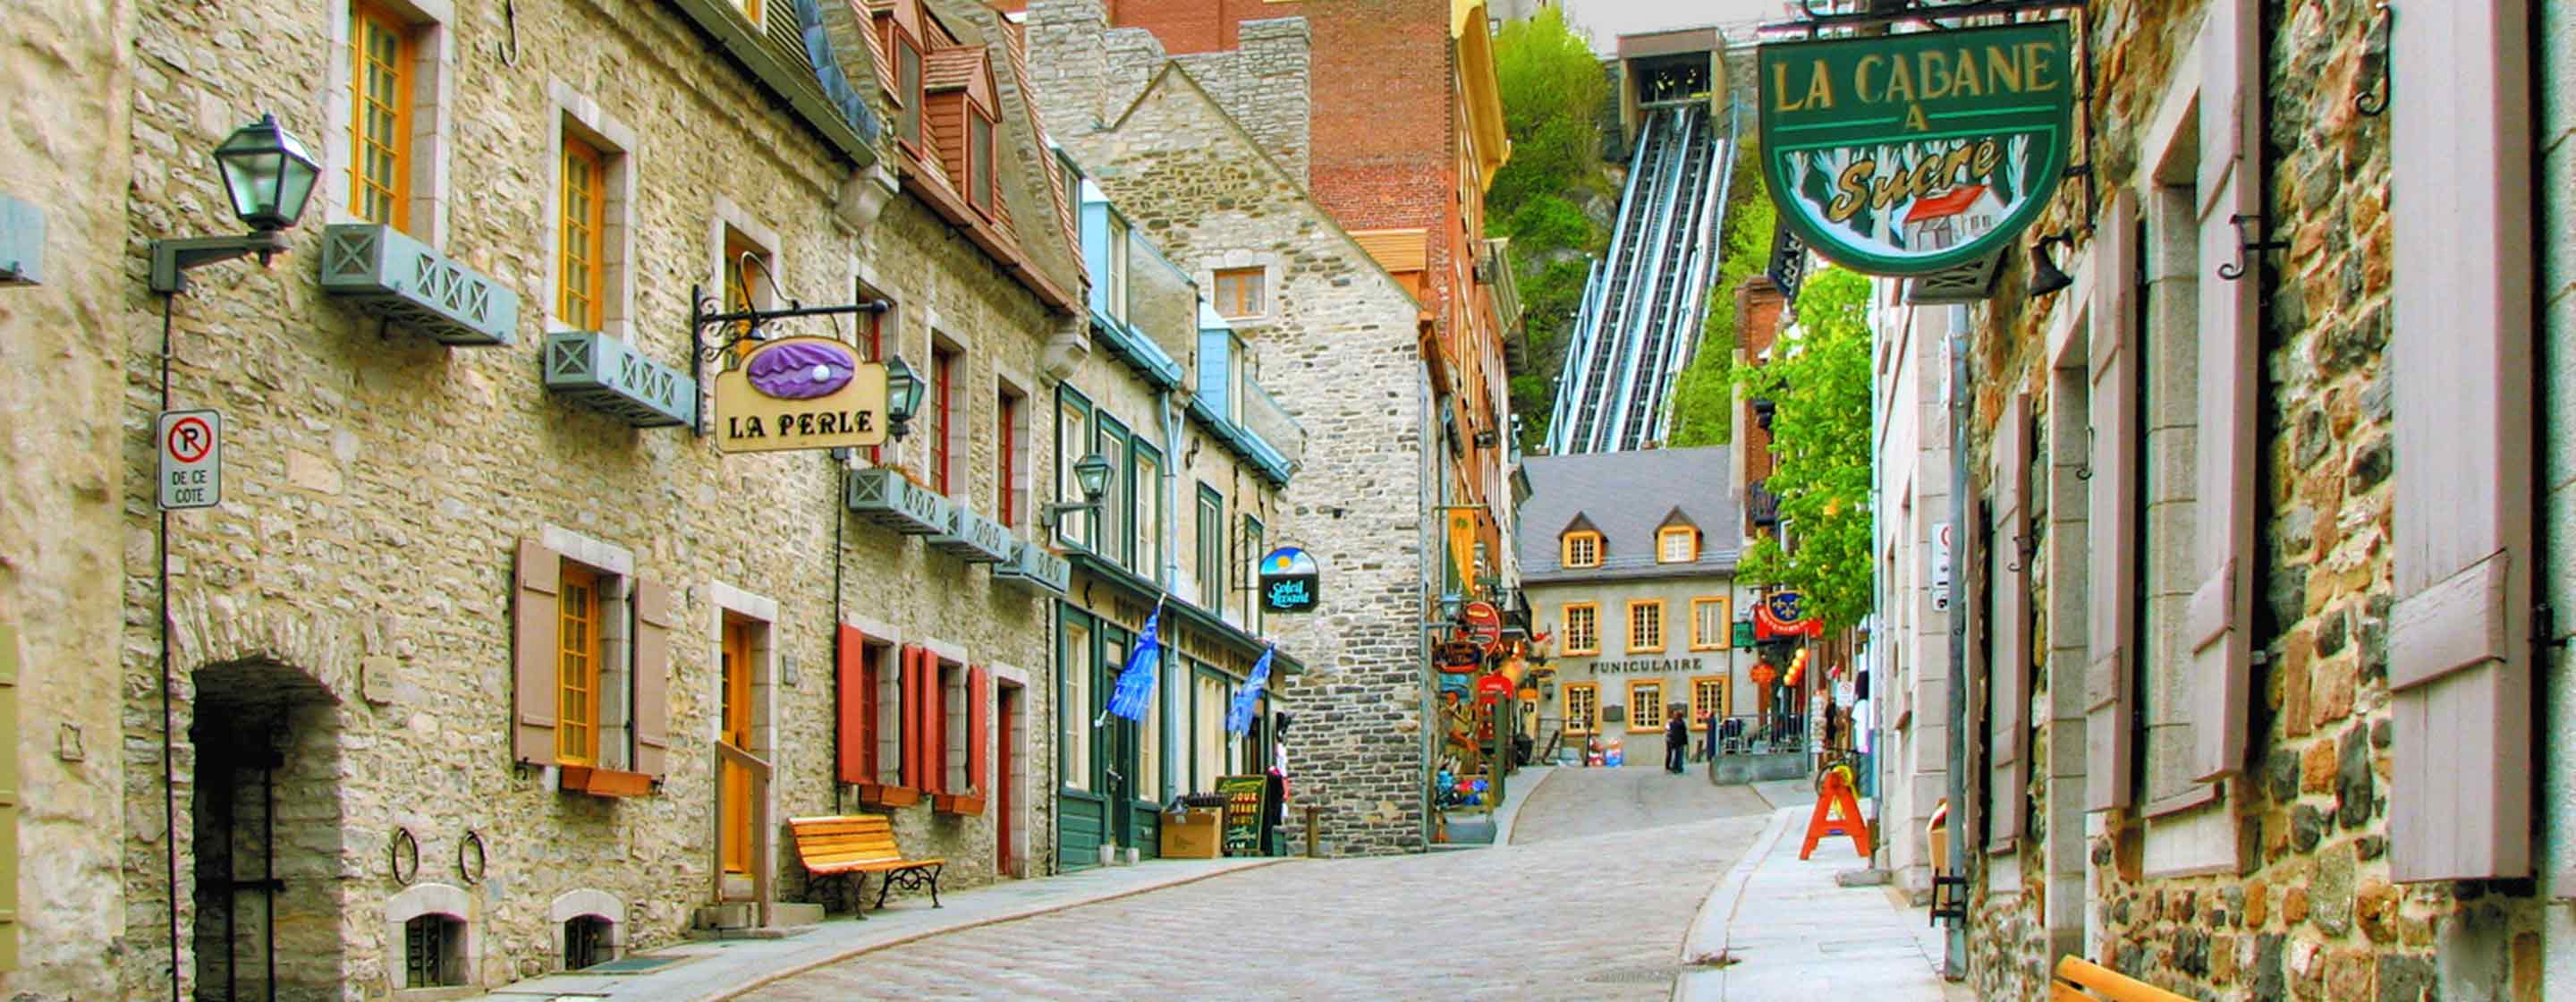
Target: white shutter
<point>2112,514</point>
<point>2218,622</point>
<point>2460,659</point>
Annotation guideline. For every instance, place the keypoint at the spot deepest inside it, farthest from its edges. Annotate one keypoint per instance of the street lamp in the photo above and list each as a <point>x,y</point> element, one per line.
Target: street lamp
<point>1091,474</point>
<point>903,396</point>
<point>268,177</point>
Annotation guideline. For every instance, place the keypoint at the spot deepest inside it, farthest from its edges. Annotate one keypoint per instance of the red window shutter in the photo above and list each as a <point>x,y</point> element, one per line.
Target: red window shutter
<point>934,722</point>
<point>2460,658</point>
<point>2010,688</point>
<point>909,689</point>
<point>856,697</point>
<point>978,710</point>
<point>2111,515</point>
<point>533,624</point>
<point>2217,623</point>
<point>653,623</point>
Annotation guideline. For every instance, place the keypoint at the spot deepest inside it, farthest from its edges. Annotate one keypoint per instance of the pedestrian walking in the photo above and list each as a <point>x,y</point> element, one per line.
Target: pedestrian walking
<point>1676,740</point>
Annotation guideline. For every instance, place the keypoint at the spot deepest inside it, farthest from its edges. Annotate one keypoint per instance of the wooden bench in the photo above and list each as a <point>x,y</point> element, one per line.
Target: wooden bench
<point>851,846</point>
<point>2081,980</point>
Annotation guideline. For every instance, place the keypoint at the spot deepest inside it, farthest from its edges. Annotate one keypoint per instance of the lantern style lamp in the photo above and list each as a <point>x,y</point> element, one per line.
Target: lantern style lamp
<point>1091,474</point>
<point>1452,605</point>
<point>903,396</point>
<point>269,177</point>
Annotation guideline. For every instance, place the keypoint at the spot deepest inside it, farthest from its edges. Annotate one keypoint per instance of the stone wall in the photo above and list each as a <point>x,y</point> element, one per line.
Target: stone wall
<point>62,527</point>
<point>377,484</point>
<point>2556,147</point>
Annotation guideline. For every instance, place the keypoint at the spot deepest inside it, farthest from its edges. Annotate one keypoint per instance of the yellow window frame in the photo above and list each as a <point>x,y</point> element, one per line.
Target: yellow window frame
<point>1590,637</point>
<point>1715,707</point>
<point>1240,292</point>
<point>1635,644</point>
<point>1565,553</point>
<point>577,658</point>
<point>1699,642</point>
<point>1588,721</point>
<point>1638,712</point>
<point>581,299</point>
<point>1682,532</point>
<point>380,106</point>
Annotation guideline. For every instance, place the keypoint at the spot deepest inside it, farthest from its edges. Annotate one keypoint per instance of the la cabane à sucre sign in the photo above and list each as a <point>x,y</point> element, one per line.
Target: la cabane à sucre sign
<point>1916,153</point>
<point>800,393</point>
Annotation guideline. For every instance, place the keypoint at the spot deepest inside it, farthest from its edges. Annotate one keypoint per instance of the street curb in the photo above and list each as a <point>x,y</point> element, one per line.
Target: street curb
<point>769,979</point>
<point>1709,931</point>
<point>1503,829</point>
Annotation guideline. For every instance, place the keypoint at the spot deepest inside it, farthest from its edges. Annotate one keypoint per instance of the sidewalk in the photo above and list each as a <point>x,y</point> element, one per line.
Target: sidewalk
<point>1791,931</point>
<point>720,969</point>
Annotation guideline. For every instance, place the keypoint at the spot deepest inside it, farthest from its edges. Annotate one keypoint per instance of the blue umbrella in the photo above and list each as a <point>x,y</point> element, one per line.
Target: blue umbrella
<point>1136,681</point>
<point>1238,718</point>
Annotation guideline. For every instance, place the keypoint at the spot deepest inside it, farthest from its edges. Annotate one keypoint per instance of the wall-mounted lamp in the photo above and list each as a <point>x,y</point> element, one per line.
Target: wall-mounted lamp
<point>903,397</point>
<point>2045,276</point>
<point>269,177</point>
<point>1452,605</point>
<point>1091,473</point>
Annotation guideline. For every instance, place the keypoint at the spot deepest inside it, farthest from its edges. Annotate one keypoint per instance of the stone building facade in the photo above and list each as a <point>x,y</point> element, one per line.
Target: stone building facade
<point>1910,656</point>
<point>429,507</point>
<point>2248,574</point>
<point>1336,342</point>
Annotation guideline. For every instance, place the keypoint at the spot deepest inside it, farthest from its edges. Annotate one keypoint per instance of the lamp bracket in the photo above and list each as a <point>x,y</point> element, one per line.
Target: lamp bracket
<point>172,259</point>
<point>2249,226</point>
<point>704,314</point>
<point>2373,100</point>
<point>1053,513</point>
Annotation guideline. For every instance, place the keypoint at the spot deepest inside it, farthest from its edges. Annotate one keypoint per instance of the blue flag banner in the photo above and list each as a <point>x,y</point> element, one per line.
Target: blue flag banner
<point>1135,690</point>
<point>1238,718</point>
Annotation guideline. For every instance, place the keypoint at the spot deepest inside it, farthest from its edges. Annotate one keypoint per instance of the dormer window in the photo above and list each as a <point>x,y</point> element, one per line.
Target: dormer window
<point>907,83</point>
<point>1582,549</point>
<point>1677,545</point>
<point>979,161</point>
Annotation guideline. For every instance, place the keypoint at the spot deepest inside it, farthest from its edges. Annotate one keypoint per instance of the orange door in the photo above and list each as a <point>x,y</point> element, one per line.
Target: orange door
<point>733,824</point>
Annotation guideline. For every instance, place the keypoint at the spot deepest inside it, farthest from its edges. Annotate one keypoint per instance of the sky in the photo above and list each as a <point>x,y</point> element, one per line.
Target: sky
<point>1609,19</point>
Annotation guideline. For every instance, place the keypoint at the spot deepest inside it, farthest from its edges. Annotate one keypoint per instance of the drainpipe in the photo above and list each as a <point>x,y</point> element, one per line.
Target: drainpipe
<point>1954,963</point>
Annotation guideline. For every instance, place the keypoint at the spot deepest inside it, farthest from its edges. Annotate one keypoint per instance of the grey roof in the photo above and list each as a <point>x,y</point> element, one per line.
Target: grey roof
<point>1629,495</point>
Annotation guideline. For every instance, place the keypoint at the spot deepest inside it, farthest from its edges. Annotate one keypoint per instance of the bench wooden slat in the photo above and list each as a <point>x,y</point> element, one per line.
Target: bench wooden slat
<point>2105,983</point>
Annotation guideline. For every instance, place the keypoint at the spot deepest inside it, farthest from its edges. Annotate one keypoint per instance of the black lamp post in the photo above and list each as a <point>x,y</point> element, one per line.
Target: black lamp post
<point>903,397</point>
<point>269,177</point>
<point>1091,474</point>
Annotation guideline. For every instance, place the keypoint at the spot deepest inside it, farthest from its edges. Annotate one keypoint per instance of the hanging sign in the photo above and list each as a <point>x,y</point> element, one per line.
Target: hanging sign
<point>1788,262</point>
<point>1458,657</point>
<point>1483,623</point>
<point>1783,614</point>
<point>1289,581</point>
<point>1492,687</point>
<point>800,393</point>
<point>1916,153</point>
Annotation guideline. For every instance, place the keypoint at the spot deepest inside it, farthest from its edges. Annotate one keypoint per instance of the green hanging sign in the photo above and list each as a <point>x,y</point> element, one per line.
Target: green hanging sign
<point>1916,153</point>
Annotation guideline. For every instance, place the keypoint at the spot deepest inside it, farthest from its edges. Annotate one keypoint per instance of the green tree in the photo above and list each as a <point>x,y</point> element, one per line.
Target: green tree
<point>1553,89</point>
<point>1819,379</point>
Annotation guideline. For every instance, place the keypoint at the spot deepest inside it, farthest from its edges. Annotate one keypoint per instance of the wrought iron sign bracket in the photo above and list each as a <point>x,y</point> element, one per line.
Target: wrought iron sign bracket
<point>1816,21</point>
<point>2373,101</point>
<point>2249,227</point>
<point>703,314</point>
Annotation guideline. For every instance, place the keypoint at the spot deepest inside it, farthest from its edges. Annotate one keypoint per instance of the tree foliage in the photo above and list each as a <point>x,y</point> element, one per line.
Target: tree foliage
<point>1552,87</point>
<point>1820,381</point>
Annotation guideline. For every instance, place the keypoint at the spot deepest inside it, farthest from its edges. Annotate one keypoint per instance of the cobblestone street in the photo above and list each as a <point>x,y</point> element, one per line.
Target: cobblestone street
<point>1606,870</point>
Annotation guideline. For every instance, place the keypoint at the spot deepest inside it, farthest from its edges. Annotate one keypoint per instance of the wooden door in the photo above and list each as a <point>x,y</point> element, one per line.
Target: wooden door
<point>733,824</point>
<point>1006,713</point>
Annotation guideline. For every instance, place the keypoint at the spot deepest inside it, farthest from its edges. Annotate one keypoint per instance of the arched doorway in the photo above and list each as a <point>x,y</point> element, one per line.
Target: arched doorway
<point>265,817</point>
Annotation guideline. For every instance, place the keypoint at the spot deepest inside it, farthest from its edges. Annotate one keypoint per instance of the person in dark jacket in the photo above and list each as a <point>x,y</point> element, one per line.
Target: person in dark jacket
<point>1676,739</point>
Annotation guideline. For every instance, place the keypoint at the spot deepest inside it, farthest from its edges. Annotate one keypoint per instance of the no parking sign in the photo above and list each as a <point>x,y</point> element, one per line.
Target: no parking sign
<point>192,458</point>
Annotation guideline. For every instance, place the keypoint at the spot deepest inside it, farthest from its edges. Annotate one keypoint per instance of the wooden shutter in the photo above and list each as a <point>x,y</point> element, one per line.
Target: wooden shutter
<point>2111,508</point>
<point>851,689</point>
<point>934,724</point>
<point>11,657</point>
<point>2217,624</point>
<point>2010,687</point>
<point>978,687</point>
<point>910,696</point>
<point>2460,660</point>
<point>533,615</point>
<point>653,623</point>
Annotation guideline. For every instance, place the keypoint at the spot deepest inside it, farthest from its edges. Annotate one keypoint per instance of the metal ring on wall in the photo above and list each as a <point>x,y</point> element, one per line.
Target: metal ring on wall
<point>472,875</point>
<point>403,844</point>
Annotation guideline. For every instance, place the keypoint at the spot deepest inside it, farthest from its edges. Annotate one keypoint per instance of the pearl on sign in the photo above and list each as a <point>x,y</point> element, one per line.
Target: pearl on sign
<point>822,373</point>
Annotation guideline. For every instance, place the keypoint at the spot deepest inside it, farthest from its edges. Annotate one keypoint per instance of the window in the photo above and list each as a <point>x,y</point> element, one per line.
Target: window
<point>1677,545</point>
<point>1006,481</point>
<point>1582,707</point>
<point>980,183</point>
<point>1117,524</point>
<point>1148,492</point>
<point>1074,656</point>
<point>943,385</point>
<point>751,9</point>
<point>1646,626</point>
<point>1241,292</point>
<point>1645,705</point>
<point>1073,428</point>
<point>1210,704</point>
<point>381,64</point>
<point>1149,739</point>
<point>577,668</point>
<point>581,301</point>
<point>745,266</point>
<point>949,727</point>
<point>907,86</point>
<point>867,716</point>
<point>1117,283</point>
<point>1582,549</point>
<point>872,333</point>
<point>1583,628</point>
<point>1709,625</point>
<point>1253,533</point>
<point>1708,699</point>
<point>1211,540</point>
<point>433,951</point>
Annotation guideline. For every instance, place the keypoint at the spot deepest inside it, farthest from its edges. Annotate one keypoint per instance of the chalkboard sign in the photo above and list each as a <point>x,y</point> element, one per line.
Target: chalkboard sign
<point>1245,806</point>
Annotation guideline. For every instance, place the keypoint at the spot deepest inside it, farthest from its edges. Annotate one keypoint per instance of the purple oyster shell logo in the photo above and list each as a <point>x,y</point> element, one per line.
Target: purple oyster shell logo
<point>801,370</point>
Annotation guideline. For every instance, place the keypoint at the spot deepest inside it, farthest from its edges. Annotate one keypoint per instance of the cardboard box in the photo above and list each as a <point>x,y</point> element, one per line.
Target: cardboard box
<point>1192,834</point>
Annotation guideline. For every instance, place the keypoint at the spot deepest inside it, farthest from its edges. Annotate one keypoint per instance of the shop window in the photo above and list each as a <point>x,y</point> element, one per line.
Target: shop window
<point>1646,626</point>
<point>1209,703</point>
<point>1582,628</point>
<point>943,417</point>
<point>433,951</point>
<point>1211,548</point>
<point>1149,738</point>
<point>586,942</point>
<point>1708,699</point>
<point>1677,545</point>
<point>1709,625</point>
<point>1241,292</point>
<point>1645,705</point>
<point>1581,549</point>
<point>1074,709</point>
<point>1582,707</point>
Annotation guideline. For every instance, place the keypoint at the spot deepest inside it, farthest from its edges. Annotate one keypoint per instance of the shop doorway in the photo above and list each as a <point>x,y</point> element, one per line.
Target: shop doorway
<point>264,813</point>
<point>1006,796</point>
<point>738,847</point>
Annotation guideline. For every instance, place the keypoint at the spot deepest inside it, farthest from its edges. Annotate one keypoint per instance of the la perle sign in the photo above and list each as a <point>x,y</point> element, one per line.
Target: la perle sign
<point>800,393</point>
<point>1916,153</point>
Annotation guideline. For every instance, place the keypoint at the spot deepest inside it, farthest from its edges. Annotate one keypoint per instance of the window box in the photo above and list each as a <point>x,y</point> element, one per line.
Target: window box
<point>608,375</point>
<point>973,538</point>
<point>384,273</point>
<point>964,805</point>
<point>888,498</point>
<point>606,782</point>
<point>882,795</point>
<point>1036,568</point>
